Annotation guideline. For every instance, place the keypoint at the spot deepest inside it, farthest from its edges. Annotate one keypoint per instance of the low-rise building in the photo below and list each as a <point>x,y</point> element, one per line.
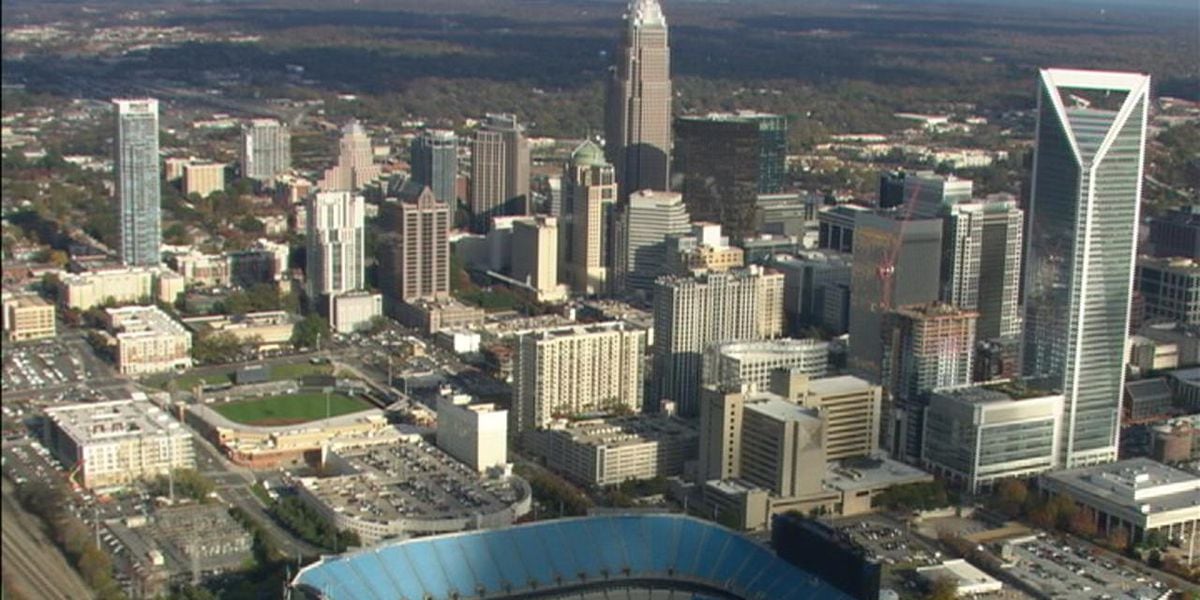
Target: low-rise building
<point>1147,400</point>
<point>976,436</point>
<point>609,451</point>
<point>1170,288</point>
<point>1138,495</point>
<point>110,444</point>
<point>351,311</point>
<point>705,250</point>
<point>1185,383</point>
<point>968,580</point>
<point>476,434</point>
<point>268,330</point>
<point>147,340</point>
<point>121,285</point>
<point>197,268</point>
<point>203,178</point>
<point>1177,440</point>
<point>27,317</point>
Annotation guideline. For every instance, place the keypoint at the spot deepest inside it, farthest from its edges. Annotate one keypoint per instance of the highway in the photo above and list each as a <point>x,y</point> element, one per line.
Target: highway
<point>32,564</point>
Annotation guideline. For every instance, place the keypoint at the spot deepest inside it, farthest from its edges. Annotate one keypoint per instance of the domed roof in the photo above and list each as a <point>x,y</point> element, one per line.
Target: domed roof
<point>588,154</point>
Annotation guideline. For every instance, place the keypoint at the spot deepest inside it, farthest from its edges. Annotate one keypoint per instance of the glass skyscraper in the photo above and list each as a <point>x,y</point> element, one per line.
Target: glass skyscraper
<point>1081,242</point>
<point>434,158</point>
<point>138,185</point>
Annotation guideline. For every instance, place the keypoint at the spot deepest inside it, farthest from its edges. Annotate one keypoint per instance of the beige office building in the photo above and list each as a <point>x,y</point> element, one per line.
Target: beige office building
<point>577,370</point>
<point>27,317</point>
<point>590,196</point>
<point>610,451</point>
<point>852,408</point>
<point>499,170</point>
<point>704,250</point>
<point>209,270</point>
<point>270,330</point>
<point>356,161</point>
<point>122,285</point>
<point>114,443</point>
<point>148,340</point>
<point>415,264</point>
<point>535,256</point>
<point>203,178</point>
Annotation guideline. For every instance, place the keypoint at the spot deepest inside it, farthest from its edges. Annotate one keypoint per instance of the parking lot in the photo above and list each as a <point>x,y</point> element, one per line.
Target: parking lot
<point>889,542</point>
<point>50,363</point>
<point>1070,572</point>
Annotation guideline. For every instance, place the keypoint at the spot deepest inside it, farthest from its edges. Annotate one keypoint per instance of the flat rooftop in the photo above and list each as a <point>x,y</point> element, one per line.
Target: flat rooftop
<point>779,409</point>
<point>1138,484</point>
<point>841,384</point>
<point>963,573</point>
<point>410,481</point>
<point>113,420</point>
<point>626,431</point>
<point>144,321</point>
<point>859,474</point>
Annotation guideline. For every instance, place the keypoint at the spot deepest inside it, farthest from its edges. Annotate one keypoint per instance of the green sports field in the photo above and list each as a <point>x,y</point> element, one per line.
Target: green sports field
<point>288,409</point>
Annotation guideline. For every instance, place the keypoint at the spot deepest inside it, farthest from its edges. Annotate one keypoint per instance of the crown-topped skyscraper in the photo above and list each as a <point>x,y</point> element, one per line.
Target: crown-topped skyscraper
<point>638,121</point>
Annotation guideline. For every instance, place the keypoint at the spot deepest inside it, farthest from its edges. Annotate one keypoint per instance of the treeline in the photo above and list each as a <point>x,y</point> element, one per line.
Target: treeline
<point>310,526</point>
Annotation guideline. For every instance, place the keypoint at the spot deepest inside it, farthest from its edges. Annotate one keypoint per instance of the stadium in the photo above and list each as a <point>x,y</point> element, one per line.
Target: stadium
<point>643,557</point>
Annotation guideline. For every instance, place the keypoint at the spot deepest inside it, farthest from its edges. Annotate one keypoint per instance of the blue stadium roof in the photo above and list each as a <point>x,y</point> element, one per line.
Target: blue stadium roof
<point>634,550</point>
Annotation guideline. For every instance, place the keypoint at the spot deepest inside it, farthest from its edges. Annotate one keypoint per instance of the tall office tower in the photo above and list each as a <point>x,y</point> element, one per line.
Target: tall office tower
<point>419,257</point>
<point>581,369</point>
<point>738,365</point>
<point>852,409</point>
<point>589,198</point>
<point>1170,288</point>
<point>692,312</point>
<point>1083,213</point>
<point>1177,233</point>
<point>266,149</point>
<point>356,162</point>
<point>335,242</point>
<point>891,189</point>
<point>434,161</point>
<point>725,160</point>
<point>763,439</point>
<point>650,217</point>
<point>928,195</point>
<point>836,226</point>
<point>896,262</point>
<point>535,253</point>
<point>637,127</point>
<point>138,187</point>
<point>926,347</point>
<point>816,290</point>
<point>499,171</point>
<point>981,263</point>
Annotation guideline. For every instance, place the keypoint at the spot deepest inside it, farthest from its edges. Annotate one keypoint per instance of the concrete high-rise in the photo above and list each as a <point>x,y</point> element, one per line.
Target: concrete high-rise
<point>637,127</point>
<point>738,365</point>
<point>139,192</point>
<point>851,406</point>
<point>1083,212</point>
<point>589,202</point>
<point>896,262</point>
<point>926,347</point>
<point>651,217</point>
<point>692,312</point>
<point>981,263</point>
<point>415,261</point>
<point>266,149</point>
<point>725,160</point>
<point>335,243</point>
<point>499,171</point>
<point>356,161</point>
<point>570,371</point>
<point>928,195</point>
<point>433,158</point>
<point>535,254</point>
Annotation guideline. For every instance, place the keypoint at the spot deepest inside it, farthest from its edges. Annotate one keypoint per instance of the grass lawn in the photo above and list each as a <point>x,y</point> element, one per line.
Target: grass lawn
<point>278,373</point>
<point>290,408</point>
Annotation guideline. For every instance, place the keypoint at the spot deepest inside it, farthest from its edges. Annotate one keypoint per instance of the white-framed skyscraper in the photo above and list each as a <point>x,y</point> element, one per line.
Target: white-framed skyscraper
<point>1081,246</point>
<point>136,163</point>
<point>266,149</point>
<point>336,239</point>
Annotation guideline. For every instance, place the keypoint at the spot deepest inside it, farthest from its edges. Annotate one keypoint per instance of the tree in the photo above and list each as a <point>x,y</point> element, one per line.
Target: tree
<point>943,588</point>
<point>1083,523</point>
<point>1118,538</point>
<point>1010,496</point>
<point>216,348</point>
<point>309,331</point>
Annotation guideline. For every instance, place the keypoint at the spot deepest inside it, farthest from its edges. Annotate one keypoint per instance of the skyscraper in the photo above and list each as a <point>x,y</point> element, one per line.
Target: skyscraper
<point>266,149</point>
<point>725,160</point>
<point>575,370</point>
<point>981,263</point>
<point>926,347</point>
<point>415,261</point>
<point>434,163</point>
<point>137,174</point>
<point>895,263</point>
<point>650,217</point>
<point>335,243</point>
<point>692,312</point>
<point>499,170</point>
<point>356,163</point>
<point>590,196</point>
<point>1083,213</point>
<point>928,195</point>
<point>535,254</point>
<point>637,128</point>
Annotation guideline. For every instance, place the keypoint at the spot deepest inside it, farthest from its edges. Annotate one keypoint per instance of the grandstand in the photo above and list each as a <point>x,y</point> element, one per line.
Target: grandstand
<point>642,556</point>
